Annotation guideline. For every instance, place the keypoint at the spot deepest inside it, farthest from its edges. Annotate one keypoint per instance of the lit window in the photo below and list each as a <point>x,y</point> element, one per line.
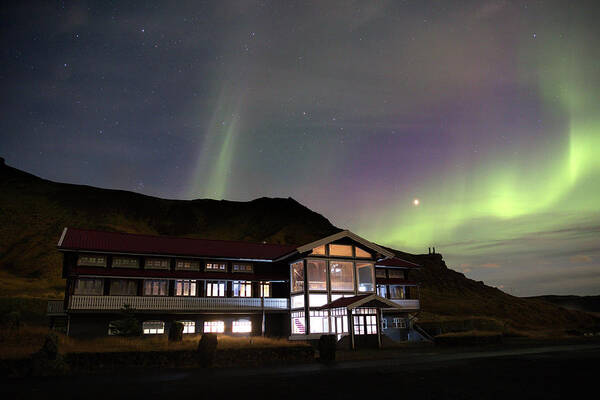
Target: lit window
<point>214,326</point>
<point>364,272</point>
<point>298,322</point>
<point>317,274</point>
<point>241,326</point>
<point>242,267</point>
<point>383,324</point>
<point>319,322</point>
<point>380,273</point>
<point>399,323</point>
<point>153,327</point>
<point>125,262</point>
<point>342,276</point>
<point>189,326</point>
<point>317,300</point>
<point>381,290</point>
<point>342,250</point>
<point>365,324</point>
<point>297,276</point>
<point>216,267</point>
<point>360,253</point>
<point>156,263</point>
<point>91,261</point>
<point>185,288</point>
<point>215,289</point>
<point>396,273</point>
<point>319,251</point>
<point>242,289</point>
<point>397,292</point>
<point>298,301</point>
<point>156,287</point>
<point>123,287</point>
<point>187,265</point>
<point>89,286</point>
<point>265,289</point>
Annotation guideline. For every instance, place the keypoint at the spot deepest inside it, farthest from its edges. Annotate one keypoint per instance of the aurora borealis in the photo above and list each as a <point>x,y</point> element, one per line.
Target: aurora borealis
<point>487,112</point>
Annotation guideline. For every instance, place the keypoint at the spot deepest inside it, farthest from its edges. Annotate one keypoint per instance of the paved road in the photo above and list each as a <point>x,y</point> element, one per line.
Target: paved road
<point>553,372</point>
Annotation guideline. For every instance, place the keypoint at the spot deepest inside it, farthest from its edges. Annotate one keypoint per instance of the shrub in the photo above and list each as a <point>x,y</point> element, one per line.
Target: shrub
<point>128,325</point>
<point>48,361</point>
<point>327,347</point>
<point>176,332</point>
<point>207,348</point>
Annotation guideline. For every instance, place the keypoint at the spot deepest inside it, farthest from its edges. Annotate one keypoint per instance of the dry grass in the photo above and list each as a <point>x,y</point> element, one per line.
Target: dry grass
<point>474,333</point>
<point>28,340</point>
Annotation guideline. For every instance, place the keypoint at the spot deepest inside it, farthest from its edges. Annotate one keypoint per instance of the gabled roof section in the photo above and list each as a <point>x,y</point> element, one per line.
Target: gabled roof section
<point>353,302</point>
<point>396,262</point>
<point>114,242</point>
<point>343,234</point>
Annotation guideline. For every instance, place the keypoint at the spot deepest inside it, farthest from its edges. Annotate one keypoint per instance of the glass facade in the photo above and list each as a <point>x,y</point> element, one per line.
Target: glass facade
<point>317,274</point>
<point>366,280</point>
<point>297,283</point>
<point>341,275</point>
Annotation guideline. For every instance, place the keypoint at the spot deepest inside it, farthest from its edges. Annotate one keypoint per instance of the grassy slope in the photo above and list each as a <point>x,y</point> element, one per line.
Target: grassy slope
<point>34,212</point>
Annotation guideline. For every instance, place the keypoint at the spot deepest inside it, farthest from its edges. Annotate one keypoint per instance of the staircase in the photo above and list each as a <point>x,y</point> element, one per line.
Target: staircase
<point>299,326</point>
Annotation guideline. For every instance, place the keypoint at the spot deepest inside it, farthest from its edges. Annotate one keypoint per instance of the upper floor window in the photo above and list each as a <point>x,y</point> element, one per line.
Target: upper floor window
<point>242,267</point>
<point>216,267</point>
<point>91,261</point>
<point>297,271</point>
<point>123,287</point>
<point>381,290</point>
<point>380,273</point>
<point>317,274</point>
<point>341,275</point>
<point>156,287</point>
<point>342,250</point>
<point>265,289</point>
<point>89,286</point>
<point>125,262</point>
<point>319,251</point>
<point>396,273</point>
<point>397,292</point>
<point>360,253</point>
<point>187,265</point>
<point>185,287</point>
<point>215,289</point>
<point>242,289</point>
<point>157,263</point>
<point>364,273</point>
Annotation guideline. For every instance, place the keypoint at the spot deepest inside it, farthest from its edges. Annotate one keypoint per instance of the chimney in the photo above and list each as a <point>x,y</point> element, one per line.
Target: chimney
<point>429,250</point>
<point>434,250</point>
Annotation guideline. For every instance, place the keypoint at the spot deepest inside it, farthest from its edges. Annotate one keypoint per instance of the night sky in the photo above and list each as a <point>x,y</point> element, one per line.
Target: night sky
<point>488,113</point>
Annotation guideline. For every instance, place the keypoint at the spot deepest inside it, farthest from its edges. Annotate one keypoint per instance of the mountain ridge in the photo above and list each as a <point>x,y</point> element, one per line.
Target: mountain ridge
<point>35,210</point>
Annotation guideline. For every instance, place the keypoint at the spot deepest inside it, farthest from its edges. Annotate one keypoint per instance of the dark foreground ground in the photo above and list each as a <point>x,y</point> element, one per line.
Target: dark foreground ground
<point>538,372</point>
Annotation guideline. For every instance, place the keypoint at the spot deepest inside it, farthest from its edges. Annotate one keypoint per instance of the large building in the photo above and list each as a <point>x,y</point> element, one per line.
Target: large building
<point>341,284</point>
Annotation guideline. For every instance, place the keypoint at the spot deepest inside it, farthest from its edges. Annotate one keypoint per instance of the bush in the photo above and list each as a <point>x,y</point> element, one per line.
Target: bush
<point>128,325</point>
<point>327,347</point>
<point>207,348</point>
<point>176,332</point>
<point>47,361</point>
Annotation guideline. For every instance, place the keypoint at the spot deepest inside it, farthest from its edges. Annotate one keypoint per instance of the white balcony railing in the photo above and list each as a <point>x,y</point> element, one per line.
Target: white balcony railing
<point>142,303</point>
<point>408,304</point>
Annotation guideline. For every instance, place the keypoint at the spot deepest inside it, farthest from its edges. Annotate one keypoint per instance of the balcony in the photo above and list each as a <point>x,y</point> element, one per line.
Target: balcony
<point>408,304</point>
<point>189,304</point>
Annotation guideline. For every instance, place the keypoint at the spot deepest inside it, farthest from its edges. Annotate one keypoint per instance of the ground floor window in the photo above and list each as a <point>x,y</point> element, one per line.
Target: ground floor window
<point>383,323</point>
<point>189,326</point>
<point>298,323</point>
<point>153,327</point>
<point>365,324</point>
<point>241,326</point>
<point>319,322</point>
<point>399,322</point>
<point>214,326</point>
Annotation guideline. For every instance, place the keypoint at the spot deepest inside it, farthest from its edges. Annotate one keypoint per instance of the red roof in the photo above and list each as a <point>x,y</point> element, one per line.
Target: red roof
<point>396,262</point>
<point>114,242</point>
<point>344,301</point>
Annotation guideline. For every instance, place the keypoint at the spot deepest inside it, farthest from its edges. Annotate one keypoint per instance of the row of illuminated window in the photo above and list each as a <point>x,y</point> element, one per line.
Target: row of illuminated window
<point>365,323</point>
<point>390,273</point>
<point>160,263</point>
<point>340,250</point>
<point>397,322</point>
<point>341,275</point>
<point>160,287</point>
<point>158,327</point>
